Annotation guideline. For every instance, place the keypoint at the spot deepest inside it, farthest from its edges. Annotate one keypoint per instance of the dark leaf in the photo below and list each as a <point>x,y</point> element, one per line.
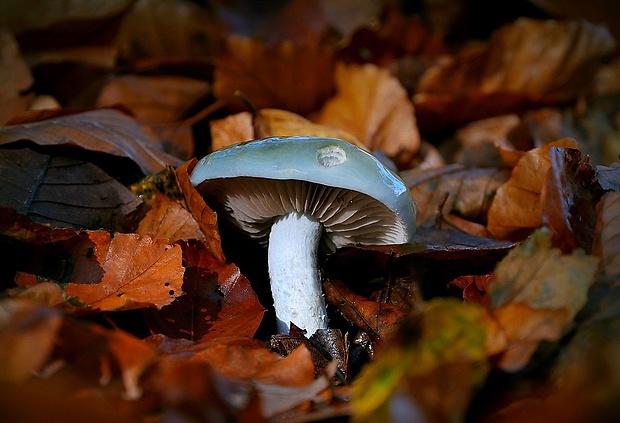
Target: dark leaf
<point>102,131</point>
<point>63,192</point>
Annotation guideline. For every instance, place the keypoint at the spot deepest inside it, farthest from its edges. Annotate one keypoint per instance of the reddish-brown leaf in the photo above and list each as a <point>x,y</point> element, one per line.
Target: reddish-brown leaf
<point>569,201</point>
<point>218,300</point>
<point>206,218</point>
<point>103,131</point>
<point>27,336</point>
<point>15,76</point>
<point>377,319</point>
<point>473,286</point>
<point>169,220</point>
<point>607,237</point>
<point>137,272</point>
<point>268,74</point>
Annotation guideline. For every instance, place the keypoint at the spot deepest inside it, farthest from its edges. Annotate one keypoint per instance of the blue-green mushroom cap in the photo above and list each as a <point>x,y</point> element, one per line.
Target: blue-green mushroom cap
<point>358,200</point>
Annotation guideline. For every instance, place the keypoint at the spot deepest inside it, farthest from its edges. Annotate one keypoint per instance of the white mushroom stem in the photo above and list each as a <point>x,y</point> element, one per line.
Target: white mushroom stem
<point>295,284</point>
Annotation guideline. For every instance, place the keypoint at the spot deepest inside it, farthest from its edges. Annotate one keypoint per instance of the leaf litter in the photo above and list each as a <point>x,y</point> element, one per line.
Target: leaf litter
<point>129,301</point>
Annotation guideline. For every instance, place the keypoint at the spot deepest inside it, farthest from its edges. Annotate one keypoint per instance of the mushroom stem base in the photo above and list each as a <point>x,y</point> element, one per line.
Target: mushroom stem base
<point>295,283</point>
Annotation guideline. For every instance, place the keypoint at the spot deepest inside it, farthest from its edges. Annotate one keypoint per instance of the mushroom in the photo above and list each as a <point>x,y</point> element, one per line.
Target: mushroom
<point>297,194</point>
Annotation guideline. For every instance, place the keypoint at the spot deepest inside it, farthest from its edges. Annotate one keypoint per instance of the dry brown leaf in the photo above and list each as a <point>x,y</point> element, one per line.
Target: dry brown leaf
<point>526,62</point>
<point>154,98</point>
<point>377,319</point>
<point>103,131</point>
<point>168,219</point>
<point>525,327</point>
<point>42,292</point>
<point>206,218</point>
<point>516,209</point>
<point>137,272</point>
<point>607,237</point>
<point>15,76</point>
<point>469,191</point>
<point>231,130</point>
<point>268,74</point>
<point>282,123</point>
<point>27,335</point>
<point>371,105</point>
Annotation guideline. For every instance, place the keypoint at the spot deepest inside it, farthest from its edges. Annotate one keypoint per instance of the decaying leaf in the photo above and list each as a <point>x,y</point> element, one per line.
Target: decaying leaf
<point>516,209</point>
<point>63,192</point>
<point>447,335</point>
<point>267,74</point>
<point>218,301</point>
<point>102,131</point>
<point>607,237</point>
<point>526,62</point>
<point>169,220</point>
<point>27,335</point>
<point>231,130</point>
<point>371,105</point>
<point>154,98</point>
<point>466,192</point>
<point>536,293</point>
<point>569,199</point>
<point>137,271</point>
<point>15,76</point>
<point>206,218</point>
<point>377,319</point>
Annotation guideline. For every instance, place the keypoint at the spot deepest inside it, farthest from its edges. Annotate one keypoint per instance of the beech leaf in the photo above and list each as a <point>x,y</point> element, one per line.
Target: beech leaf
<point>63,192</point>
<point>138,271</point>
<point>169,220</point>
<point>103,131</point>
<point>607,237</point>
<point>371,105</point>
<point>267,74</point>
<point>544,288</point>
<point>27,336</point>
<point>516,209</point>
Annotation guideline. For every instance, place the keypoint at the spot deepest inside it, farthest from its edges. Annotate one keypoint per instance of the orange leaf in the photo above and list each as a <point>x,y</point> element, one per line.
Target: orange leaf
<point>373,106</point>
<point>27,335</point>
<point>137,270</point>
<point>167,219</point>
<point>231,130</point>
<point>516,209</point>
<point>206,218</point>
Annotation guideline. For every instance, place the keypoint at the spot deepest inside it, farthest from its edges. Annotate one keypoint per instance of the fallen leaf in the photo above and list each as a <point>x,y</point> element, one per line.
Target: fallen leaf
<point>371,105</point>
<point>516,209</point>
<point>377,319</point>
<point>154,98</point>
<point>606,245</point>
<point>137,272</point>
<point>267,74</point>
<point>218,300</point>
<point>167,219</point>
<point>447,335</point>
<point>469,191</point>
<point>537,287</point>
<point>64,192</point>
<point>206,218</point>
<point>231,130</point>
<point>27,335</point>
<point>569,199</point>
<point>473,286</point>
<point>15,76</point>
<point>276,122</point>
<point>526,62</point>
<point>101,131</point>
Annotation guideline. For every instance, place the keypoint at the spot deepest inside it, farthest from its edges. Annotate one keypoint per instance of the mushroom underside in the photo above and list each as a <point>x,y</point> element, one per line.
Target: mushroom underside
<point>348,217</point>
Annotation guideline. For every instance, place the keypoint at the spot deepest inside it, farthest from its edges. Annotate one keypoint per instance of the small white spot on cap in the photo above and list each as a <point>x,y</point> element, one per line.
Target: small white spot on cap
<point>331,155</point>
